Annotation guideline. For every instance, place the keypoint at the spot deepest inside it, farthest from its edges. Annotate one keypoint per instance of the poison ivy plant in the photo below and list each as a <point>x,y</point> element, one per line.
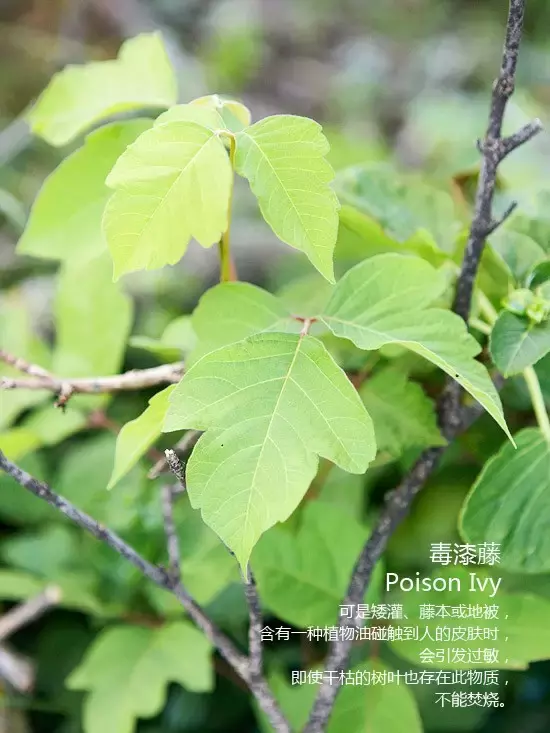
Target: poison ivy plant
<point>271,404</point>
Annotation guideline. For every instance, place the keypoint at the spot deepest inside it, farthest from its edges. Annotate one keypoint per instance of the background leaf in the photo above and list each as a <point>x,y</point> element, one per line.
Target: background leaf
<point>91,331</point>
<point>516,343</point>
<point>127,669</point>
<point>80,96</point>
<point>65,220</point>
<point>303,575</point>
<point>510,504</point>
<point>403,416</point>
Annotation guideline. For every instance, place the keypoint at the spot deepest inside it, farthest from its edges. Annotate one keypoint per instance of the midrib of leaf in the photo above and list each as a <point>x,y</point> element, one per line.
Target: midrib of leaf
<point>162,199</point>
<point>285,382</point>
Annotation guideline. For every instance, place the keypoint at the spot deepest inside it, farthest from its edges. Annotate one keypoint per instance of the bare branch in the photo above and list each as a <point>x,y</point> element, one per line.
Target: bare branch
<point>162,578</point>
<point>26,612</point>
<point>494,148</point>
<point>159,576</point>
<point>65,387</point>
<point>255,625</point>
<point>452,417</point>
<point>172,541</point>
<point>16,670</point>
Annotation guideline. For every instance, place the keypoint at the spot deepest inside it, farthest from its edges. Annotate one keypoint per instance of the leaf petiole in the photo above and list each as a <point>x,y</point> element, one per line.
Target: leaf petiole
<point>228,271</point>
<point>537,399</point>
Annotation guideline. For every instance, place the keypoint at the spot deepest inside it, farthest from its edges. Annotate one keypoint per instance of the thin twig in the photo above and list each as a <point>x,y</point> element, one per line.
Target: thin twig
<point>452,416</point>
<point>16,670</point>
<point>163,579</point>
<point>64,387</point>
<point>172,541</point>
<point>26,612</point>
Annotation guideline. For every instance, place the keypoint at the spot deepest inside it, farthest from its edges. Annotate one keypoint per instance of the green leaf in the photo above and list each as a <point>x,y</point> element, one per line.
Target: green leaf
<point>15,586</point>
<point>522,623</point>
<point>518,251</point>
<point>50,551</point>
<point>384,300</point>
<point>532,219</point>
<point>128,668</point>
<point>17,337</point>
<point>65,220</point>
<point>403,416</point>
<point>172,184</point>
<point>137,436</point>
<point>390,708</point>
<point>52,426</point>
<point>230,312</point>
<point>83,477</point>
<point>234,114</point>
<point>93,318</point>
<point>361,708</point>
<point>516,343</point>
<point>271,404</point>
<point>539,275</point>
<point>302,576</point>
<point>510,504</point>
<point>80,96</point>
<point>283,159</point>
<point>200,115</point>
<point>401,205</point>
<point>177,341</point>
<point>18,506</point>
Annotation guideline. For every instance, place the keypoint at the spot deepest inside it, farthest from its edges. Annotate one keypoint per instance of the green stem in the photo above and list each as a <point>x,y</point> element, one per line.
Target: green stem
<point>535,392</point>
<point>480,325</point>
<point>487,308</point>
<point>228,271</point>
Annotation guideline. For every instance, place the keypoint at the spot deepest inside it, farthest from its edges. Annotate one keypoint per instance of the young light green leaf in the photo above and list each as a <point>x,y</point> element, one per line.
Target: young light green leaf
<point>137,436</point>
<point>270,405</point>
<point>522,623</point>
<point>384,300</point>
<point>516,343</point>
<point>403,416</point>
<point>65,220</point>
<point>235,115</point>
<point>230,312</point>
<point>128,668</point>
<point>510,504</point>
<point>93,319</point>
<point>204,116</point>
<point>172,184</point>
<point>283,159</point>
<point>80,96</point>
<point>303,576</point>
